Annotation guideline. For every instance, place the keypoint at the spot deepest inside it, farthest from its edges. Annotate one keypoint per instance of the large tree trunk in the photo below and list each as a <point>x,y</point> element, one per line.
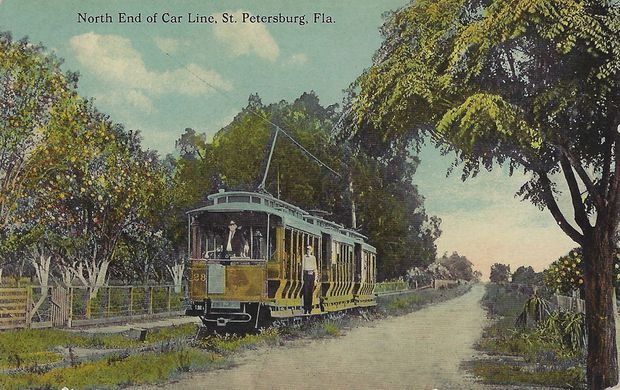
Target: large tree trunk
<point>602,364</point>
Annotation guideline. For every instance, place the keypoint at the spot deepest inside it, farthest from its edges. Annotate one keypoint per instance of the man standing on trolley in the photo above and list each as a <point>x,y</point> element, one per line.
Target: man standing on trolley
<point>309,267</point>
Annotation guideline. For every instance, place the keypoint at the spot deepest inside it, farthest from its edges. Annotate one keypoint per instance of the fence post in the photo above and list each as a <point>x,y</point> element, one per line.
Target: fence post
<point>151,300</point>
<point>108,308</point>
<point>169,297</point>
<point>131,300</point>
<point>70,319</point>
<point>28,307</point>
<point>88,304</point>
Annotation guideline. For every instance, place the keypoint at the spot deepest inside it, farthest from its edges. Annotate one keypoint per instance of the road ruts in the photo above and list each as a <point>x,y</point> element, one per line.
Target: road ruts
<point>421,350</point>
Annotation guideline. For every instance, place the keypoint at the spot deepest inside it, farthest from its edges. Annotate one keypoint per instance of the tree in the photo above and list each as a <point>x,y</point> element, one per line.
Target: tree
<point>500,273</point>
<point>32,87</point>
<point>459,266</point>
<point>530,84</point>
<point>391,212</point>
<point>78,195</point>
<point>238,152</point>
<point>90,185</point>
<point>389,209</point>
<point>566,274</point>
<point>527,275</point>
<point>33,90</point>
<point>439,271</point>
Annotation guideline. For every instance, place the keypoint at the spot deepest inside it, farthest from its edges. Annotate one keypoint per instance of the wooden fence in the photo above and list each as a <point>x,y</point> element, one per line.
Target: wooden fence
<point>57,306</point>
<point>569,304</point>
<point>14,303</point>
<point>444,283</point>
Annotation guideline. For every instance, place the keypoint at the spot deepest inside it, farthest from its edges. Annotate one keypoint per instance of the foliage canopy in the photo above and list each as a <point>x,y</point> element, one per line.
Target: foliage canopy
<point>530,84</point>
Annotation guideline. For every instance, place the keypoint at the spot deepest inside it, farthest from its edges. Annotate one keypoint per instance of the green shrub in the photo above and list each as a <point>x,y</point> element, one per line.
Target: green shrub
<point>228,343</point>
<point>331,328</point>
<point>502,302</point>
<point>549,353</point>
<point>171,332</point>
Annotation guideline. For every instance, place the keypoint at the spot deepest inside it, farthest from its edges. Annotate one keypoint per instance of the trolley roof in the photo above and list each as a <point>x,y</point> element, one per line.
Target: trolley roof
<point>291,215</point>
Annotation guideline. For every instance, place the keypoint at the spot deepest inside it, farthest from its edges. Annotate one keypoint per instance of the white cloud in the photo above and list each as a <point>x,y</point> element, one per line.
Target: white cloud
<point>247,38</point>
<point>131,99</point>
<point>159,139</point>
<point>297,59</point>
<point>115,60</point>
<point>167,45</point>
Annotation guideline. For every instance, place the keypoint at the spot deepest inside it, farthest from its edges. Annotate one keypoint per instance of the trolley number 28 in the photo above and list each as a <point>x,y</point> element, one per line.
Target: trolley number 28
<point>199,277</point>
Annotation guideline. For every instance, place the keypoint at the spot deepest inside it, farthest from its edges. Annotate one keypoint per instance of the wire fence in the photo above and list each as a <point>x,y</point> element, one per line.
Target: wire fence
<point>387,287</point>
<point>396,287</point>
<point>57,306</point>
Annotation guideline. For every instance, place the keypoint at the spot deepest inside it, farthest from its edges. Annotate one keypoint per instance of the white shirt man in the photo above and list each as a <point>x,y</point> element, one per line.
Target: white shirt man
<point>309,267</point>
<point>309,260</point>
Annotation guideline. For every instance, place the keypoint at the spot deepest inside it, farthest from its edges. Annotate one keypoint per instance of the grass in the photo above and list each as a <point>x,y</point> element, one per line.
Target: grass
<point>173,355</point>
<point>28,347</point>
<point>505,374</point>
<point>409,302</point>
<point>523,355</point>
<point>331,328</point>
<point>34,347</point>
<point>171,332</point>
<point>117,371</point>
<point>226,344</point>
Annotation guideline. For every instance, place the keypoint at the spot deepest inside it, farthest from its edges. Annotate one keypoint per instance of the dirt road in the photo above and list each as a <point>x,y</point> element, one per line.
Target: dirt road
<point>422,350</point>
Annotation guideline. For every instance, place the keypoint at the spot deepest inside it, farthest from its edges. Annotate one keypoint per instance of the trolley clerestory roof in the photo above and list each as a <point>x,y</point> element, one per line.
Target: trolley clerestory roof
<point>291,215</point>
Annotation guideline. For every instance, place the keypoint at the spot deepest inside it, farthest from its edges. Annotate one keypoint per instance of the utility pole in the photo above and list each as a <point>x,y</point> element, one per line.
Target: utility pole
<point>353,208</point>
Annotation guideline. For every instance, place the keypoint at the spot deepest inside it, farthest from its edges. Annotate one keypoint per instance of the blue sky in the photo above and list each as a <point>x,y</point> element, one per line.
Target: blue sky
<point>146,75</point>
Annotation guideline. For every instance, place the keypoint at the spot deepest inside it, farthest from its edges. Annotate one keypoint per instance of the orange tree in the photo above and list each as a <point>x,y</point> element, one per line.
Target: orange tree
<point>91,184</point>
<point>32,89</point>
<point>566,274</point>
<point>529,84</point>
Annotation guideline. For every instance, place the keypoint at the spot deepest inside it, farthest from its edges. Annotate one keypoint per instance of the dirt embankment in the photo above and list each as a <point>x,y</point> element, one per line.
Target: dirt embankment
<point>421,350</point>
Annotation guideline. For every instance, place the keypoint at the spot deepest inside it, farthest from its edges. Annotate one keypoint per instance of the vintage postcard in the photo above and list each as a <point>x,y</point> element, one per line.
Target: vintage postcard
<point>272,194</point>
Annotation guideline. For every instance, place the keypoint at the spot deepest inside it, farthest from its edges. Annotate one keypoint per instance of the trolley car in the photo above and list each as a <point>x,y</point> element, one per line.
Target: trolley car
<point>246,253</point>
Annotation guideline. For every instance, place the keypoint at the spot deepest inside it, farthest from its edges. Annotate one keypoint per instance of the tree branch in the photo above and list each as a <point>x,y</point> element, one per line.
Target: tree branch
<point>555,210</point>
<point>581,217</point>
<point>583,175</point>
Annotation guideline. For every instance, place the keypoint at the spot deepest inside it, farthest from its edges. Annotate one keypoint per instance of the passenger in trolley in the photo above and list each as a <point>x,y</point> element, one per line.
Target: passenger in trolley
<point>236,244</point>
